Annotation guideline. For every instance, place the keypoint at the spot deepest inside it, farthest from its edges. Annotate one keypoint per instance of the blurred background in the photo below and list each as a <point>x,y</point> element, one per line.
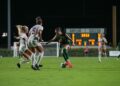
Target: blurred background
<point>64,13</point>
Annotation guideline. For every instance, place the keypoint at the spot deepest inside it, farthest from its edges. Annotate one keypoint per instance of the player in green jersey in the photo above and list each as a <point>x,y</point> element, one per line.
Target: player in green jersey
<point>64,41</point>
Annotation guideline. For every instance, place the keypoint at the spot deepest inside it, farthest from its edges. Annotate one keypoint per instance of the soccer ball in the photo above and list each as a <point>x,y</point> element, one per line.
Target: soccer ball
<point>63,65</point>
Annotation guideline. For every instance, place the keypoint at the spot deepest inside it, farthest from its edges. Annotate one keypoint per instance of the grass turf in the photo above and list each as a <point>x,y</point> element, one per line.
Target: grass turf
<point>86,72</point>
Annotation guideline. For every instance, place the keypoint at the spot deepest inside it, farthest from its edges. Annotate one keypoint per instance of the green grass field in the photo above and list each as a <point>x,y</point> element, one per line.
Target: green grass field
<point>86,72</point>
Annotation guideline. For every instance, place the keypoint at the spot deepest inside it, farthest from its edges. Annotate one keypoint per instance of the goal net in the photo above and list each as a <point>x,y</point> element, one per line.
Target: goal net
<point>51,49</point>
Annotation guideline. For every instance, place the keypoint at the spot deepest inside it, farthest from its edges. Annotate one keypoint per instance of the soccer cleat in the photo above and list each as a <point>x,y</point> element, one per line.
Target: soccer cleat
<point>18,65</point>
<point>40,65</point>
<point>99,61</point>
<point>37,66</point>
<point>33,67</point>
<point>68,64</point>
<point>63,65</point>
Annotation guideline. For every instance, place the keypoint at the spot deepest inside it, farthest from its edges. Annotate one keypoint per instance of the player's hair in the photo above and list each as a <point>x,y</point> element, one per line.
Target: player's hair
<point>25,28</point>
<point>22,28</point>
<point>59,29</point>
<point>38,20</point>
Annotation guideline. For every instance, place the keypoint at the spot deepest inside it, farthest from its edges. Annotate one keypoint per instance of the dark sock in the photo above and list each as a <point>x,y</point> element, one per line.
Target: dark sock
<point>64,56</point>
<point>66,53</point>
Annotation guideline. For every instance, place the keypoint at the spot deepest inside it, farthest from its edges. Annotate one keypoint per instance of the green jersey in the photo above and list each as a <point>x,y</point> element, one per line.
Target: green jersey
<point>62,39</point>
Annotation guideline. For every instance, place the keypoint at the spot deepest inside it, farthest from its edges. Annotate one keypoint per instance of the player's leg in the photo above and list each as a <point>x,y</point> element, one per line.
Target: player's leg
<point>33,58</point>
<point>63,65</point>
<point>66,56</point>
<point>99,53</point>
<point>105,51</point>
<point>39,54</point>
<point>31,45</point>
<point>26,56</point>
<point>63,53</point>
<point>29,53</point>
<point>23,60</point>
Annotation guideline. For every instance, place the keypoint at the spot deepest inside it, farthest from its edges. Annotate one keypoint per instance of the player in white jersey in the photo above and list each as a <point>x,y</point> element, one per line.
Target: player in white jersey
<point>102,46</point>
<point>23,48</point>
<point>35,36</point>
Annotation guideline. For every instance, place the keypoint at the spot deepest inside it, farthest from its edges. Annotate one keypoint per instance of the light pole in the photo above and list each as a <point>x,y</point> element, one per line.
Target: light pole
<point>114,25</point>
<point>9,22</point>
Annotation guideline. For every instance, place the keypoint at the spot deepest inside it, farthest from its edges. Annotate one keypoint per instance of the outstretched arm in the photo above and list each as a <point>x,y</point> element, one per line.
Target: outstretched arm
<point>40,35</point>
<point>16,37</point>
<point>53,39</point>
<point>69,39</point>
<point>105,40</point>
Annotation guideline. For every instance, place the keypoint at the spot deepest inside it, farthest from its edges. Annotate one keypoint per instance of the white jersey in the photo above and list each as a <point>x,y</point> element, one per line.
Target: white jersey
<point>34,36</point>
<point>23,39</point>
<point>35,29</point>
<point>23,42</point>
<point>103,42</point>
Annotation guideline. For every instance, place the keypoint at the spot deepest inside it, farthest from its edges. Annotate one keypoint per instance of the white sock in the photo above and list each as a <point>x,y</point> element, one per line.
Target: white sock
<point>99,56</point>
<point>34,59</point>
<point>40,58</point>
<point>31,56</point>
<point>23,61</point>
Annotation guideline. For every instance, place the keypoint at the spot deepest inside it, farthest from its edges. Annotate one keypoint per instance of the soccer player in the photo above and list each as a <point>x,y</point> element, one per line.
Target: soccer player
<point>86,50</point>
<point>102,47</point>
<point>35,36</point>
<point>23,48</point>
<point>64,41</point>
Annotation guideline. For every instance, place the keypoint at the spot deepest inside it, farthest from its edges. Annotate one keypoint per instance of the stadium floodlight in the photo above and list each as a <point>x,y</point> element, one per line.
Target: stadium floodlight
<point>4,34</point>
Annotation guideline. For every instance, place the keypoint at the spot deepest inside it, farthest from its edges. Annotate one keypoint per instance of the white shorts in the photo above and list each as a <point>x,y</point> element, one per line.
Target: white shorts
<point>33,42</point>
<point>22,49</point>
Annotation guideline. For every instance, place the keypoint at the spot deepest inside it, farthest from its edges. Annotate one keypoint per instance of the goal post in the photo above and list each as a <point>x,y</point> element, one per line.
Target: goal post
<point>15,49</point>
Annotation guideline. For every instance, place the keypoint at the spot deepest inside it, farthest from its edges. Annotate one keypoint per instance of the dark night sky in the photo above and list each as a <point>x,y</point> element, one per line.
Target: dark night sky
<point>65,13</point>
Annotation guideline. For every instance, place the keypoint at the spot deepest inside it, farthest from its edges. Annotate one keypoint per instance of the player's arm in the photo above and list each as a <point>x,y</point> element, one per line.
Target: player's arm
<point>40,35</point>
<point>105,40</point>
<point>69,39</point>
<point>16,37</point>
<point>53,39</point>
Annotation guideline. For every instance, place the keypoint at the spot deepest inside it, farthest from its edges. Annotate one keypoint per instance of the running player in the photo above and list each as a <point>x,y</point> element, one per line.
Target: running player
<point>64,41</point>
<point>35,36</point>
<point>23,49</point>
<point>102,47</point>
